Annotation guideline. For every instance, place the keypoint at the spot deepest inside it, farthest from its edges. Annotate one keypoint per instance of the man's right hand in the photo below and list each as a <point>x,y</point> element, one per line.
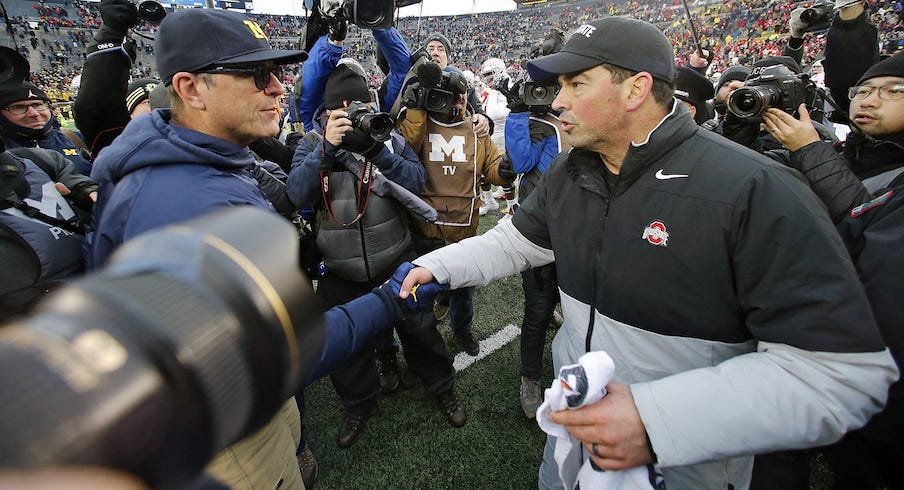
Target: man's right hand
<point>415,277</point>
<point>336,126</point>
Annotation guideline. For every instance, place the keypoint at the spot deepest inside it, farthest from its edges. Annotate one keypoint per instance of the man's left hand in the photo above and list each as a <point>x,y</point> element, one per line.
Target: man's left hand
<point>481,124</point>
<point>614,425</point>
<point>793,134</point>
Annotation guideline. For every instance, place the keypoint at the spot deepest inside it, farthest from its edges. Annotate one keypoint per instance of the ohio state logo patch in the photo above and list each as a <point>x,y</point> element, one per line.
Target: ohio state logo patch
<point>656,234</point>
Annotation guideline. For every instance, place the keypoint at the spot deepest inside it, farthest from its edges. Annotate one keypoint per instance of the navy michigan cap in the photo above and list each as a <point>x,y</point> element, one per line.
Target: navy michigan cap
<point>627,43</point>
<point>194,39</point>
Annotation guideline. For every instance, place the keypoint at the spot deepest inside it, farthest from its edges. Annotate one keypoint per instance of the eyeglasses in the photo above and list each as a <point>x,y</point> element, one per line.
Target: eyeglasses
<point>19,109</point>
<point>260,73</point>
<point>893,91</point>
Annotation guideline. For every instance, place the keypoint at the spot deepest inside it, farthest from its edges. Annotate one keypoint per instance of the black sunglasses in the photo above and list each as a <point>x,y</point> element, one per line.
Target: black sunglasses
<point>260,73</point>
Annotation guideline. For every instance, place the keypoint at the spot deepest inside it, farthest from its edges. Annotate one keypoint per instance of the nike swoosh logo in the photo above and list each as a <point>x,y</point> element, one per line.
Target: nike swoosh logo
<point>662,176</point>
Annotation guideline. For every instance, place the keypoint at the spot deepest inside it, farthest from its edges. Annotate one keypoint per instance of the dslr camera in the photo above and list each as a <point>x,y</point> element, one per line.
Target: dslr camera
<point>538,96</point>
<point>818,15</point>
<point>377,125</point>
<point>774,86</point>
<point>151,12</point>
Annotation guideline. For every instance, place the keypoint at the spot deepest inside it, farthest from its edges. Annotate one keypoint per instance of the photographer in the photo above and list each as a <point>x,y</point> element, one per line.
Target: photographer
<point>455,157</point>
<point>439,50</point>
<point>362,228</point>
<point>326,49</point>
<point>534,136</point>
<point>862,189</point>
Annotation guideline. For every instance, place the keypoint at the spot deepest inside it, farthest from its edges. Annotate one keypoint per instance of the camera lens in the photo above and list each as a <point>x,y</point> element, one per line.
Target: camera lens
<point>539,92</point>
<point>378,125</point>
<point>438,101</point>
<point>191,338</point>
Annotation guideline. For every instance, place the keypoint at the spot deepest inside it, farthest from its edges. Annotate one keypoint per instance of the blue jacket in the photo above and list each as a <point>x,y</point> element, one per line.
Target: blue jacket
<point>156,174</point>
<point>323,58</point>
<point>532,142</point>
<point>50,137</point>
<point>152,177</point>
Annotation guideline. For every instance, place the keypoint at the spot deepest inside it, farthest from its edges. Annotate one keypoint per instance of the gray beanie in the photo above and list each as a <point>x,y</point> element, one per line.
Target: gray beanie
<point>736,72</point>
<point>443,39</point>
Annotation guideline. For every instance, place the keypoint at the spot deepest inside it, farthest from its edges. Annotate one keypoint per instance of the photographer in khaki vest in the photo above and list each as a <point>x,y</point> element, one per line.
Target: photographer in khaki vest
<point>442,133</point>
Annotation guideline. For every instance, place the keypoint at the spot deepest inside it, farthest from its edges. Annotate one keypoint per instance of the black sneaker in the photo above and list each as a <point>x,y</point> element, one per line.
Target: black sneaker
<point>388,370</point>
<point>353,427</point>
<point>409,379</point>
<point>307,463</point>
<point>467,343</point>
<point>453,407</point>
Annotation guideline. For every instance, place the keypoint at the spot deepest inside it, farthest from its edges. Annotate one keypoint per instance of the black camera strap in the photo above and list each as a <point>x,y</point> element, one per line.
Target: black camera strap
<point>362,193</point>
<point>13,201</point>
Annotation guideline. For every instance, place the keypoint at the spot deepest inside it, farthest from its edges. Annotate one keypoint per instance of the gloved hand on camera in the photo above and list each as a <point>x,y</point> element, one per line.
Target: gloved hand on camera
<point>796,26</point>
<point>358,141</point>
<point>515,98</point>
<point>422,295</point>
<point>411,95</point>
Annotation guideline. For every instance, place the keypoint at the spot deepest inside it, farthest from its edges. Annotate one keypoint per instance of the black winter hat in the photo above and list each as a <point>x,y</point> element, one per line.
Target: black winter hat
<point>736,72</point>
<point>627,43</point>
<point>14,92</point>
<point>344,86</point>
<point>889,67</point>
<point>775,60</point>
<point>138,91</point>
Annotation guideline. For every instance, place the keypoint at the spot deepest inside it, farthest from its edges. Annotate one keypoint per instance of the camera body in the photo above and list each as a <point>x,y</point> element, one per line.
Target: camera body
<point>441,97</point>
<point>366,14</point>
<point>538,96</point>
<point>774,86</point>
<point>817,15</point>
<point>151,11</point>
<point>377,125</point>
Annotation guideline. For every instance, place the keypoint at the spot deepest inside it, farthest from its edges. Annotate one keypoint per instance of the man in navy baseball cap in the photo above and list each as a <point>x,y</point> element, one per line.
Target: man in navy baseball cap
<point>196,39</point>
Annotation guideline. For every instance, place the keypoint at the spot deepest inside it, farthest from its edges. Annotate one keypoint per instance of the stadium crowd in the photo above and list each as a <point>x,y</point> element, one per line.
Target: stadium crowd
<point>715,208</point>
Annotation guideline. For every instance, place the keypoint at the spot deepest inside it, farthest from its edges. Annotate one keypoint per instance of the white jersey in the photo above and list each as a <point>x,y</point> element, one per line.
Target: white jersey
<point>496,108</point>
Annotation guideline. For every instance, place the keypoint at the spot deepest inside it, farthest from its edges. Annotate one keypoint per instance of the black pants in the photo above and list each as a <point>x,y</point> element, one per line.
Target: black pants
<point>356,381</point>
<point>540,298</point>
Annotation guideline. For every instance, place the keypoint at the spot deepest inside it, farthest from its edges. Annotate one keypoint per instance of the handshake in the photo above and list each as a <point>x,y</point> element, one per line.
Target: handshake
<point>418,297</point>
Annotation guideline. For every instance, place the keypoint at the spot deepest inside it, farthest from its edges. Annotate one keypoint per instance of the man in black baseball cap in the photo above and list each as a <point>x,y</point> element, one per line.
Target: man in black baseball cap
<point>654,226</point>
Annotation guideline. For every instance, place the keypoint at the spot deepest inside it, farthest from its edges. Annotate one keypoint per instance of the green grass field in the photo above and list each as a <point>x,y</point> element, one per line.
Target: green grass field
<point>409,445</point>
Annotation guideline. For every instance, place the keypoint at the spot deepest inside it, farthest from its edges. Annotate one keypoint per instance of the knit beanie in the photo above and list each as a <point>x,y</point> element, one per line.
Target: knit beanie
<point>138,91</point>
<point>892,66</point>
<point>159,98</point>
<point>443,39</point>
<point>16,91</point>
<point>344,86</point>
<point>736,72</point>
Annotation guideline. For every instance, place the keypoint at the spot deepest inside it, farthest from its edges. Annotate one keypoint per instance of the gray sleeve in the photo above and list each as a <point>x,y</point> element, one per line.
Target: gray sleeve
<point>480,260</point>
<point>818,396</point>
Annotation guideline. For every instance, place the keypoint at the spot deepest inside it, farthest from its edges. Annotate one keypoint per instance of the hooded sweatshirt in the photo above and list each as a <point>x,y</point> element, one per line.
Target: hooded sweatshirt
<point>158,174</point>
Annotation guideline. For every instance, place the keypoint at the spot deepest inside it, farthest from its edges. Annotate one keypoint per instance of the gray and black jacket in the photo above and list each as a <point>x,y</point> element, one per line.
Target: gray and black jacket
<point>365,250</point>
<point>717,283</point>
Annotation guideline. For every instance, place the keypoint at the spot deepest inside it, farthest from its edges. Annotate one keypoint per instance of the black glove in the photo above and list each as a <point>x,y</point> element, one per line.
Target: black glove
<point>119,15</point>
<point>338,29</point>
<point>505,170</point>
<point>515,98</point>
<point>360,142</point>
<point>742,132</point>
<point>410,96</point>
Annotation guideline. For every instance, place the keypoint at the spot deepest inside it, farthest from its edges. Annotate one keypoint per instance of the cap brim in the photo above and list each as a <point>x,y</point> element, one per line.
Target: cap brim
<point>277,56</point>
<point>550,66</point>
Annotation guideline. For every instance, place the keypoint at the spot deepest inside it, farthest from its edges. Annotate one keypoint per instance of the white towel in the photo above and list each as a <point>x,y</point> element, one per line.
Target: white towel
<point>578,385</point>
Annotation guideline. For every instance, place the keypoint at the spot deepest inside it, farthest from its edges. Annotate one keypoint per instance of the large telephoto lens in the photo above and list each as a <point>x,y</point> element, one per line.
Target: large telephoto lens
<point>190,338</point>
